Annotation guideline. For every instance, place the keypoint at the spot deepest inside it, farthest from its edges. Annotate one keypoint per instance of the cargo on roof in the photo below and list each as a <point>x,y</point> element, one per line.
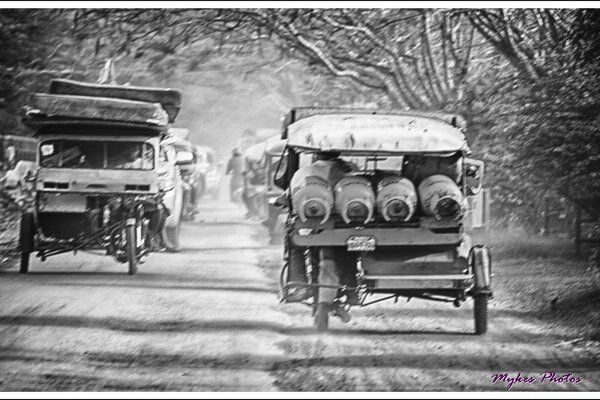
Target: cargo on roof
<point>49,109</point>
<point>170,99</point>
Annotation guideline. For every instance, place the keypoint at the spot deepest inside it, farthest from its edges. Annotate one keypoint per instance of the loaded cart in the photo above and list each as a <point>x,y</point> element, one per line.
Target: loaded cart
<point>100,175</point>
<point>395,222</point>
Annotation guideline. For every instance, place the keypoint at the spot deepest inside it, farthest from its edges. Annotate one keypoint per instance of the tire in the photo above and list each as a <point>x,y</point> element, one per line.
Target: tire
<point>480,312</point>
<point>322,317</point>
<point>131,249</point>
<point>171,237</point>
<point>26,233</point>
<point>24,265</point>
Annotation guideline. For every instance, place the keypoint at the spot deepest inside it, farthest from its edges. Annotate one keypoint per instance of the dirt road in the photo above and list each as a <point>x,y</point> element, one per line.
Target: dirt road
<point>208,319</point>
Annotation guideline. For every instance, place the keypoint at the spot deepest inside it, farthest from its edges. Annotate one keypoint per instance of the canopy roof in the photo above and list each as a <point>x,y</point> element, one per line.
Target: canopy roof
<point>169,99</point>
<point>50,109</point>
<point>275,145</point>
<point>255,152</point>
<point>375,133</point>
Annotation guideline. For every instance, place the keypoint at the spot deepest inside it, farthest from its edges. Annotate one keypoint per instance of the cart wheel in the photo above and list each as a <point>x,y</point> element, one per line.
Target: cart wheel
<point>480,312</point>
<point>131,249</point>
<point>26,241</point>
<point>322,317</point>
<point>24,266</point>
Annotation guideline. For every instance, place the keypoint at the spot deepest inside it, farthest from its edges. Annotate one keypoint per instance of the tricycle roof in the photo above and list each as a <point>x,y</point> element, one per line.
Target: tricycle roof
<point>49,109</point>
<point>375,133</point>
<point>275,145</point>
<point>169,99</point>
<point>255,152</point>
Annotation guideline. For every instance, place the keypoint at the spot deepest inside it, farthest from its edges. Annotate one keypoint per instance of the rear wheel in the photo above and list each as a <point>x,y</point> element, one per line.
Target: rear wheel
<point>26,241</point>
<point>480,311</point>
<point>131,249</point>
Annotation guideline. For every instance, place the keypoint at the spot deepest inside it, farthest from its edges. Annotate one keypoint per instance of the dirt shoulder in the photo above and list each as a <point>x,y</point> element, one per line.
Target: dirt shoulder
<point>9,231</point>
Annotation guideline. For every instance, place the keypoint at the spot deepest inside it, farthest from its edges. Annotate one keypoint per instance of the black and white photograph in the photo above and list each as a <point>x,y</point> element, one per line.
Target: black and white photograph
<point>297,199</point>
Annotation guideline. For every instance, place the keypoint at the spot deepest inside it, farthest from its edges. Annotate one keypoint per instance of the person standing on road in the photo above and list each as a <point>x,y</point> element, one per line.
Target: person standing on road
<point>235,168</point>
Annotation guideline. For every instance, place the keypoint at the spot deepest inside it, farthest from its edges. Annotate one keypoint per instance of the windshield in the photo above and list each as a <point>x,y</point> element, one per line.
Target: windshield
<point>96,154</point>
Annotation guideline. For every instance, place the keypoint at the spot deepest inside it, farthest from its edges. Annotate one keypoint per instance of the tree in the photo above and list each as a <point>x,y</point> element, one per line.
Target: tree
<point>550,120</point>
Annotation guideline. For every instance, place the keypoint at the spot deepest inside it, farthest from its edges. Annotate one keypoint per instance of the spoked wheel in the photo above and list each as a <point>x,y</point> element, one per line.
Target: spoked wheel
<point>322,317</point>
<point>26,241</point>
<point>132,259</point>
<point>480,311</point>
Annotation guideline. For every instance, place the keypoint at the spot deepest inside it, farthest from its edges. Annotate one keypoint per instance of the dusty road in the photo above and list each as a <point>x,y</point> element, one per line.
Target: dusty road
<point>207,319</point>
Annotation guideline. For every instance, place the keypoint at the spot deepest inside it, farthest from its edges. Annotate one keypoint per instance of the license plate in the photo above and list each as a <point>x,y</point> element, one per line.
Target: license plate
<point>360,243</point>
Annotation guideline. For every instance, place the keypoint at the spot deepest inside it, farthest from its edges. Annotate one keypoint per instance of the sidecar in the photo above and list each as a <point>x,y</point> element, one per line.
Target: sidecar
<point>101,172</point>
<point>402,216</point>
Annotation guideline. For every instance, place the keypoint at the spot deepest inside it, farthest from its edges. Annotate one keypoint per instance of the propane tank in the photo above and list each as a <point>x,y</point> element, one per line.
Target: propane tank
<point>396,198</point>
<point>354,199</point>
<point>441,197</point>
<point>312,196</point>
<point>417,168</point>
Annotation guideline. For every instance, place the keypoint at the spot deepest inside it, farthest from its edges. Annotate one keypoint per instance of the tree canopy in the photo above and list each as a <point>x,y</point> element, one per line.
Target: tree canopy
<point>525,79</point>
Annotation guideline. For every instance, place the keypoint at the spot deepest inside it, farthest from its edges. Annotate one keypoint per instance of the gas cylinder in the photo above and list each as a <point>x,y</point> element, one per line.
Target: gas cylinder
<point>417,168</point>
<point>441,197</point>
<point>396,198</point>
<point>312,196</point>
<point>354,199</point>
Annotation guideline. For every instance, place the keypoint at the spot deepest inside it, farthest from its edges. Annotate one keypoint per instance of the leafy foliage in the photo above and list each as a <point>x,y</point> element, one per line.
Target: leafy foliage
<point>525,79</point>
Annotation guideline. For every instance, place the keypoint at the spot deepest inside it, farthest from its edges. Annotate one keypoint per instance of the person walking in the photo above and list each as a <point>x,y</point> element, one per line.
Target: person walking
<point>235,168</point>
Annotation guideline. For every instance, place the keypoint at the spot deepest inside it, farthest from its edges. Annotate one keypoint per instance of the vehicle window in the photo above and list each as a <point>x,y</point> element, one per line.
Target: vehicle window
<point>96,154</point>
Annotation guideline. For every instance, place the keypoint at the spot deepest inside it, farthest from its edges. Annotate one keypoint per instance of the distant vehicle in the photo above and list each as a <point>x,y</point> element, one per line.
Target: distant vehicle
<point>209,169</point>
<point>17,178</point>
<point>103,180</point>
<point>261,161</point>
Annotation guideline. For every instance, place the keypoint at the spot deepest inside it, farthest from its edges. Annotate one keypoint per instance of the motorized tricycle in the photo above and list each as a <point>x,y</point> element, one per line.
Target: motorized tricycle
<point>261,193</point>
<point>101,172</point>
<point>394,221</point>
